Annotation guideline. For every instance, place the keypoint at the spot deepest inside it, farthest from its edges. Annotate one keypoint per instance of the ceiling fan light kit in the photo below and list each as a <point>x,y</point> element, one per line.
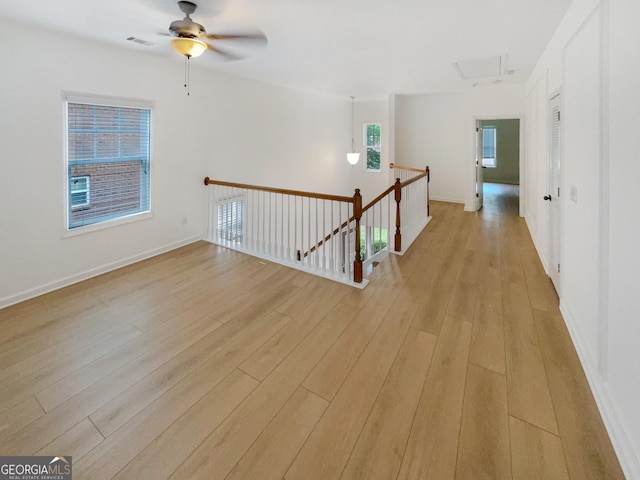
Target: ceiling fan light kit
<point>189,47</point>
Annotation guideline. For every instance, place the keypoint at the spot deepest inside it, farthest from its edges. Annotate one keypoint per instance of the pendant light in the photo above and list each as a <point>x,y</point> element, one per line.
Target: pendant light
<point>353,156</point>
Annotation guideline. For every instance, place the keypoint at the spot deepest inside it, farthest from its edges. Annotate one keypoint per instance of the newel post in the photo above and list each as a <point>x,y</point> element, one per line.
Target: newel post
<point>428,180</point>
<point>357,214</point>
<point>398,196</point>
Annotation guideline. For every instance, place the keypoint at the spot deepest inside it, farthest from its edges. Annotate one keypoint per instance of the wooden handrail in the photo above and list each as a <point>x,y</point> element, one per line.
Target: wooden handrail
<point>410,169</point>
<point>378,198</point>
<point>283,191</point>
<point>416,178</point>
<point>327,238</point>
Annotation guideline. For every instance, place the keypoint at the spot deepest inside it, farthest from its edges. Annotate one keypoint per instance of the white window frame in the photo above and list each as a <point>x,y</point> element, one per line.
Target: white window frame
<point>490,162</point>
<point>103,100</point>
<point>366,146</point>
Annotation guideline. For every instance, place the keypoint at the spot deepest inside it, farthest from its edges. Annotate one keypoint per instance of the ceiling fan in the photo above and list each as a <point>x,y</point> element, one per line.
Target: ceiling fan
<point>189,36</point>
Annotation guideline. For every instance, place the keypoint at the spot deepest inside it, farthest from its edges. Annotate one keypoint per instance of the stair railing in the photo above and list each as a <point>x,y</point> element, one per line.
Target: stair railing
<point>412,204</point>
<point>280,224</point>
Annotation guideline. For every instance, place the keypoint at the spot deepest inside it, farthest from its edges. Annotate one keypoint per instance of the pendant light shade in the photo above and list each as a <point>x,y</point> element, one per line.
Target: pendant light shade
<point>189,47</point>
<point>353,156</point>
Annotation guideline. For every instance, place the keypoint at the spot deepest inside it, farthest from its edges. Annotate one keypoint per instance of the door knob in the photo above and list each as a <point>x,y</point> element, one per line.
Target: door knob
<point>547,197</point>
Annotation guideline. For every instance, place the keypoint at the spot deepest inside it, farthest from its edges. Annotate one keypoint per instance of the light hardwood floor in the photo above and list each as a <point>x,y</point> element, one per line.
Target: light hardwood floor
<point>203,363</point>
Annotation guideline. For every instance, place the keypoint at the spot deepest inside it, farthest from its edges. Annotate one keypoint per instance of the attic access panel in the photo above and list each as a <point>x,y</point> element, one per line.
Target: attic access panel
<point>481,67</point>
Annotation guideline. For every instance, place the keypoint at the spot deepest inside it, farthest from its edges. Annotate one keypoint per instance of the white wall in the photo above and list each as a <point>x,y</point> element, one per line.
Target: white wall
<point>265,135</point>
<point>438,130</point>
<point>592,60</point>
<point>229,128</point>
<point>431,130</point>
<point>580,159</point>
<point>623,77</point>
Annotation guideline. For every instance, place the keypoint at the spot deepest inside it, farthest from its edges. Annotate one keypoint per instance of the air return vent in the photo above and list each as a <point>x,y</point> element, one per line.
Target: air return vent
<point>140,41</point>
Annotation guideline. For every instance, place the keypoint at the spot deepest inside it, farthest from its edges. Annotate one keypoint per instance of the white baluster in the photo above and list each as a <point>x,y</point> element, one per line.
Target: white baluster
<point>332,265</point>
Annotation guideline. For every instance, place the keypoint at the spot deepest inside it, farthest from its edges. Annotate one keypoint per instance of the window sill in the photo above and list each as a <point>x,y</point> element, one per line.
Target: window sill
<point>116,222</point>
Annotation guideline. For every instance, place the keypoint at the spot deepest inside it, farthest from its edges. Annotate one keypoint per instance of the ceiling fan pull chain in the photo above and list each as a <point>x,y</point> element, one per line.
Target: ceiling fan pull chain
<point>186,73</point>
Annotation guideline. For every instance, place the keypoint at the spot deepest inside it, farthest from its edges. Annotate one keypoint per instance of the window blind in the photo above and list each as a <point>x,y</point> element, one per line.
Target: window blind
<point>108,160</point>
<point>489,142</point>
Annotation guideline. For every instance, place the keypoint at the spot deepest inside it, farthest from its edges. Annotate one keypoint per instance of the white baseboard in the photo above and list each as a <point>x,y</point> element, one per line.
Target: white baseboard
<point>446,199</point>
<point>536,242</point>
<point>79,277</point>
<point>620,440</point>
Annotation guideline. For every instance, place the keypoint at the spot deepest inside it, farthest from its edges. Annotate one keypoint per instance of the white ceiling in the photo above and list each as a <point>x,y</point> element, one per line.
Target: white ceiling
<point>334,47</point>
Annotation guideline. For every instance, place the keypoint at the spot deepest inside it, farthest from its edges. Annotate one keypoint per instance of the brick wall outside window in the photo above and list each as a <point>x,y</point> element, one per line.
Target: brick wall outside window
<point>109,180</point>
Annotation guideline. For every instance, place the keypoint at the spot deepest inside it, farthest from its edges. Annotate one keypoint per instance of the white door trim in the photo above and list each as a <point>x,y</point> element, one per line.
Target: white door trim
<point>522,183</point>
<point>554,241</point>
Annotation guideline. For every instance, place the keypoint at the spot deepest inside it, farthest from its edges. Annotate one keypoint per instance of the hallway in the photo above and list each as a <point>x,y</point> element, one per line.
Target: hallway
<point>206,363</point>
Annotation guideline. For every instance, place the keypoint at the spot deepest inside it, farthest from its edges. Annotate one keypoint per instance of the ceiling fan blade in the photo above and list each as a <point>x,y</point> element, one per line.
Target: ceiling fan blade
<point>227,56</point>
<point>256,36</point>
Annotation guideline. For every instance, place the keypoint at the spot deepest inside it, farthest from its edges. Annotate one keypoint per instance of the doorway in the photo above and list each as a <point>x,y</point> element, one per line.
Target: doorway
<point>498,151</point>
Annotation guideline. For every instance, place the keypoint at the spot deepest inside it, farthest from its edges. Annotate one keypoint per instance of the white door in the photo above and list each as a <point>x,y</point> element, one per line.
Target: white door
<point>553,196</point>
<point>479,178</point>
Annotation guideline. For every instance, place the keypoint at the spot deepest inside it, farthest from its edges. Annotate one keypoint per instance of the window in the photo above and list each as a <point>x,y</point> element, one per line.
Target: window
<point>372,240</point>
<point>231,219</point>
<point>79,192</point>
<point>489,147</point>
<point>108,159</point>
<point>372,143</point>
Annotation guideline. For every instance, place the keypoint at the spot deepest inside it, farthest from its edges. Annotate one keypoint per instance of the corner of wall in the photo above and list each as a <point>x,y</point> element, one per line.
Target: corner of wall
<point>622,445</point>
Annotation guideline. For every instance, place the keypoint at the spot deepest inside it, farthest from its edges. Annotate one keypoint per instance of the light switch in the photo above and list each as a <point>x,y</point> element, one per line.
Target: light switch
<point>573,193</point>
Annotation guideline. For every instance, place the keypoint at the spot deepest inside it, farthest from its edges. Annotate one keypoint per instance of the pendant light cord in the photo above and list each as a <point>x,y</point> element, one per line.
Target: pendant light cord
<point>353,141</point>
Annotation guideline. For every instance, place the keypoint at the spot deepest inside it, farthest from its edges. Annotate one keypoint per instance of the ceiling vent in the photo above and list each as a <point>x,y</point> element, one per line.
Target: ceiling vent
<point>140,41</point>
<point>482,67</point>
